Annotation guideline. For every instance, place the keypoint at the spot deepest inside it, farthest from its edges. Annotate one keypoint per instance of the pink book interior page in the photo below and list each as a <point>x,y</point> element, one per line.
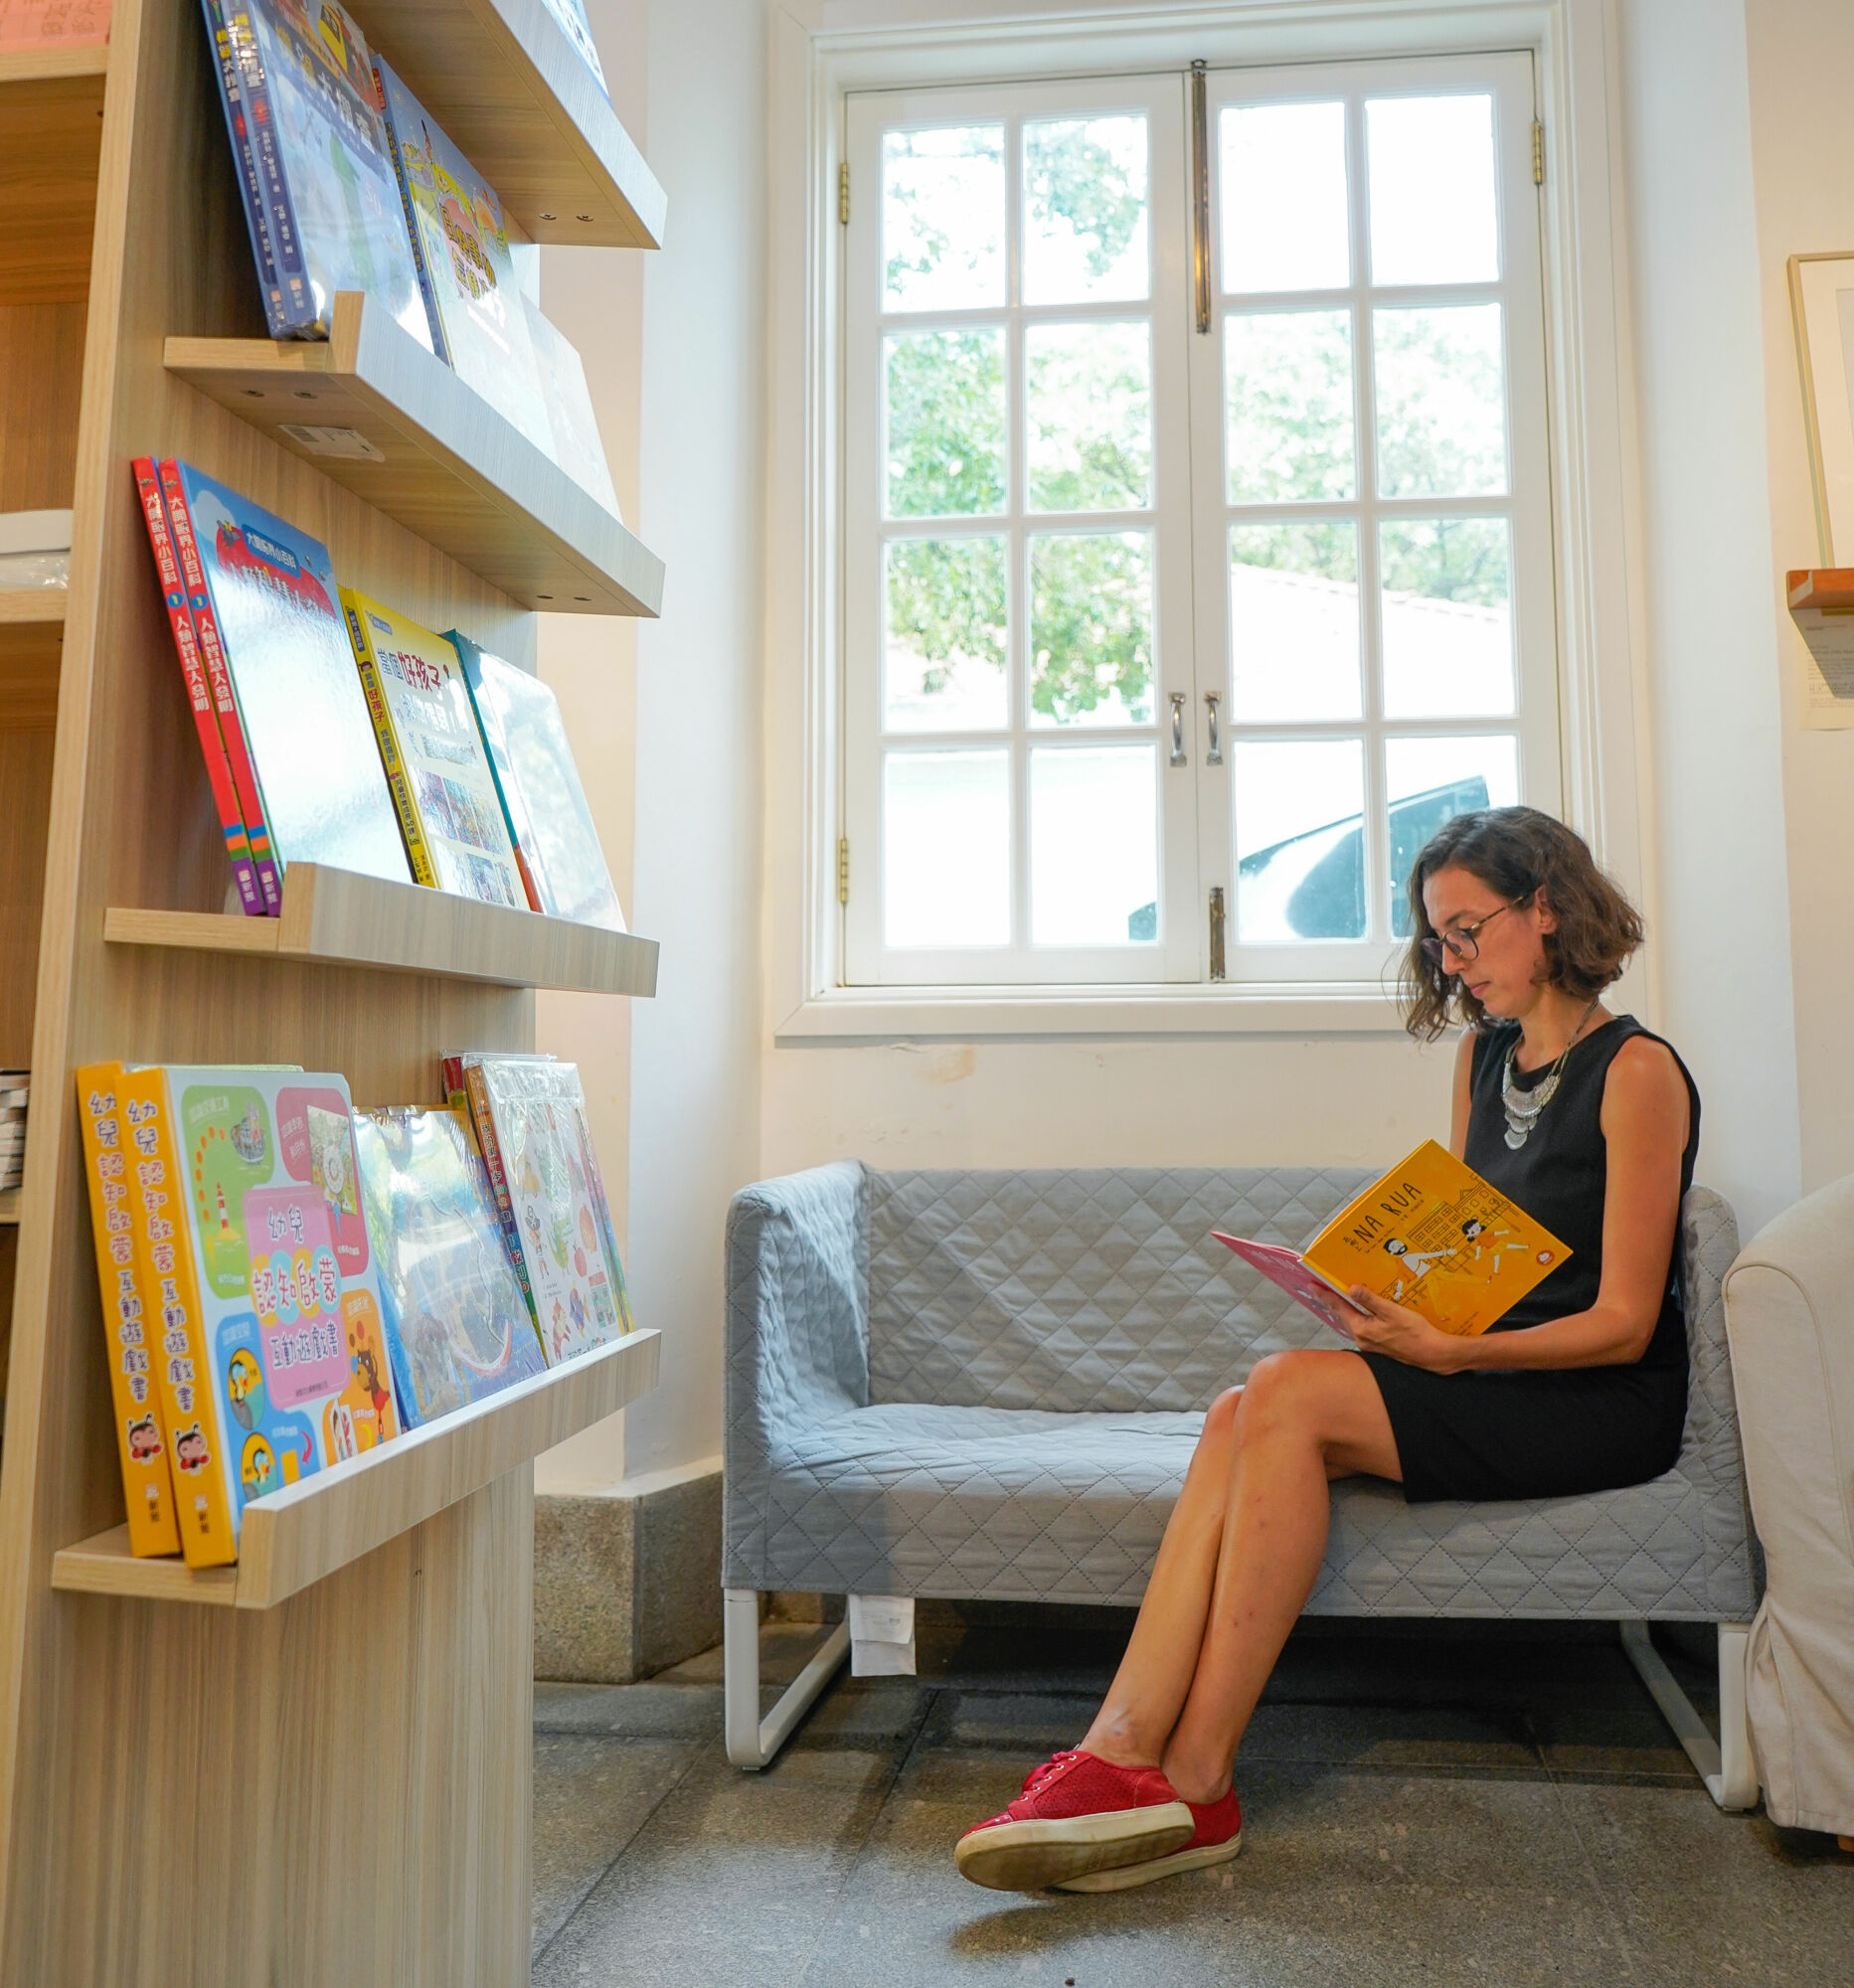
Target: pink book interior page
<point>1286,1269</point>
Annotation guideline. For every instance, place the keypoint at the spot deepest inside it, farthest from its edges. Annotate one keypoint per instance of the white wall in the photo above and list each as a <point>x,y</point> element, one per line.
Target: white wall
<point>1802,54</point>
<point>1721,915</point>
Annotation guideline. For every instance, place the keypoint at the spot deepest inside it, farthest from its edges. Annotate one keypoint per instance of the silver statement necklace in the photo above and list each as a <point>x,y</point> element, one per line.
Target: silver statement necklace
<point>1522,1107</point>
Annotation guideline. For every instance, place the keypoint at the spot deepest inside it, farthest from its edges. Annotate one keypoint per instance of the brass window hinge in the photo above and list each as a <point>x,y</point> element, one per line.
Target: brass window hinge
<point>1216,933</point>
<point>843,870</point>
<point>843,193</point>
<point>1538,153</point>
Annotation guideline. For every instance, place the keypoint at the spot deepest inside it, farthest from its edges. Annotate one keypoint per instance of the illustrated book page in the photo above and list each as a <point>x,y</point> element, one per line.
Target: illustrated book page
<point>539,781</point>
<point>299,697</point>
<point>436,768</point>
<point>458,1328</point>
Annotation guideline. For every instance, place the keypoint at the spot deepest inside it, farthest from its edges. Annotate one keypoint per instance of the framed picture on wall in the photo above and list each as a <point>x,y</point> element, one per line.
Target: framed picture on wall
<point>1821,296</point>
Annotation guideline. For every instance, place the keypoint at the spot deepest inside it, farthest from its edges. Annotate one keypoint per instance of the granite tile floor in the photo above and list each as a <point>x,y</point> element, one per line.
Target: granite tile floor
<point>1424,1804</point>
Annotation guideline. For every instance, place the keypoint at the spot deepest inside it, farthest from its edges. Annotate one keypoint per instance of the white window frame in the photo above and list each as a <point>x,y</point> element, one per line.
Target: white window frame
<point>842,45</point>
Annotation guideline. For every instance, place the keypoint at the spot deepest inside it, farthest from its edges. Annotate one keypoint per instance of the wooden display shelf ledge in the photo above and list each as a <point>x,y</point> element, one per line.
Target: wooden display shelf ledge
<point>308,1530</point>
<point>336,917</point>
<point>32,645</point>
<point>440,459</point>
<point>519,102</point>
<point>51,137</point>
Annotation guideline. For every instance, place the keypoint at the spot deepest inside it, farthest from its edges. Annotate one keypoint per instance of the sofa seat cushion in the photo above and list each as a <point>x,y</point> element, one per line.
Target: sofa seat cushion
<point>1027,1504</point>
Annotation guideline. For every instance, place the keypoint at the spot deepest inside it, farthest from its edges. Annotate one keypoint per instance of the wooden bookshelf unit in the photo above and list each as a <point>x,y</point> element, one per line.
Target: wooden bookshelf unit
<point>314,1768</point>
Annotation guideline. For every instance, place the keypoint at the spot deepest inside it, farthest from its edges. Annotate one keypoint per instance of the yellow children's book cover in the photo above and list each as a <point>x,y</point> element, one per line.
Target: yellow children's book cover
<point>450,811</point>
<point>133,1332</point>
<point>170,1280</point>
<point>1434,1235</point>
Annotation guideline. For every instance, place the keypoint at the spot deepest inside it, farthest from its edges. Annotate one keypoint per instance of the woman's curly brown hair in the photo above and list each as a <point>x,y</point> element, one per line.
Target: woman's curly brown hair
<point>1519,853</point>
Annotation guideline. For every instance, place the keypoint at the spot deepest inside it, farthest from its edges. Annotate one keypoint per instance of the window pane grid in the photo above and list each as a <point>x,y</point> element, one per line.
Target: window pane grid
<point>1309,613</point>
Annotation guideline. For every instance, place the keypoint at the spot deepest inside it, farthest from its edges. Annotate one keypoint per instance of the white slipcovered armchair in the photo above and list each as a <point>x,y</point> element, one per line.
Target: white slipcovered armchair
<point>1789,1317</point>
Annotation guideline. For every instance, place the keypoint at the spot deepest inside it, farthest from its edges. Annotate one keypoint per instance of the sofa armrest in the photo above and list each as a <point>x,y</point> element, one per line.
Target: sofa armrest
<point>1712,1456</point>
<point>797,1273</point>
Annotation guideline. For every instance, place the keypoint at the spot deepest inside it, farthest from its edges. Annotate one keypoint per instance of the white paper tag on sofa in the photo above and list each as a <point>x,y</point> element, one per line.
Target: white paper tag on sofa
<point>882,1635</point>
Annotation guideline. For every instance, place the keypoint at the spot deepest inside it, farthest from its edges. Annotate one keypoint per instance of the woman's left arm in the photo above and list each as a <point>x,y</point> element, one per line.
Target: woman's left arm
<point>1644,1125</point>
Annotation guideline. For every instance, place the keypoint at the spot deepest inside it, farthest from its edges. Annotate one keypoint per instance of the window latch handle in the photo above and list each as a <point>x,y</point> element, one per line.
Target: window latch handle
<point>1213,703</point>
<point>1178,729</point>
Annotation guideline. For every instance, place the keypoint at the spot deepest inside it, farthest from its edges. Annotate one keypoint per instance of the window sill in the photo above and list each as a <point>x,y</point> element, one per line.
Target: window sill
<point>889,1014</point>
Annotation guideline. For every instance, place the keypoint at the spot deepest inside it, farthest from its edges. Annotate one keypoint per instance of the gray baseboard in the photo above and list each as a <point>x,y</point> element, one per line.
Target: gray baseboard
<point>626,1582</point>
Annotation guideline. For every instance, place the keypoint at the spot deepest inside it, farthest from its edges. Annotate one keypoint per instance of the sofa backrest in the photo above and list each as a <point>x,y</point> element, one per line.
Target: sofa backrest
<point>1102,1289</point>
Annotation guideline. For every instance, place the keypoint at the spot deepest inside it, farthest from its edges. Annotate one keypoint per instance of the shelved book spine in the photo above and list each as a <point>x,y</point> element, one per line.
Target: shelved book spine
<point>477,1091</point>
<point>170,1279</point>
<point>295,310</point>
<point>396,145</point>
<point>142,1444</point>
<point>250,187</point>
<point>398,782</point>
<point>199,691</point>
<point>225,699</point>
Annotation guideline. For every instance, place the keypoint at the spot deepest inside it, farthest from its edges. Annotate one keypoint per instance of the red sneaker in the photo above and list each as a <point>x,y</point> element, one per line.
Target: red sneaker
<point>1218,1836</point>
<point>1077,1814</point>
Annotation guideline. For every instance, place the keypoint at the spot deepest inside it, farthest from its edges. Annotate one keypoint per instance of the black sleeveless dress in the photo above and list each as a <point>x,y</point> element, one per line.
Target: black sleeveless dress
<point>1548,1433</point>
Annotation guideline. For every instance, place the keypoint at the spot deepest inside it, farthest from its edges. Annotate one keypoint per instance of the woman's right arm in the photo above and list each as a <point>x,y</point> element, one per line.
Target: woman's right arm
<point>1464,1066</point>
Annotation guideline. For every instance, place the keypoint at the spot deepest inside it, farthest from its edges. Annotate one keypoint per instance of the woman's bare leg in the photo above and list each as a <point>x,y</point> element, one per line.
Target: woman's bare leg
<point>1306,1419</point>
<point>1238,1562</point>
<point>1149,1688</point>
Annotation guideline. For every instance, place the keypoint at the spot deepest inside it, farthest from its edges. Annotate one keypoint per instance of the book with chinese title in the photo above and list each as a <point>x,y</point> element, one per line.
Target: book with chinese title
<point>458,1327</point>
<point>1431,1235</point>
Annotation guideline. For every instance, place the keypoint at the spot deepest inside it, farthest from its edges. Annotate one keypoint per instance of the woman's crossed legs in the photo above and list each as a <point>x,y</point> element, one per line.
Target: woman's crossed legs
<point>1238,1562</point>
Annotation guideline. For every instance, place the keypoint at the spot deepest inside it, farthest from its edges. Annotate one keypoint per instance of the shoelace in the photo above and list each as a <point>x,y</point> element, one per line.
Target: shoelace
<point>1053,1764</point>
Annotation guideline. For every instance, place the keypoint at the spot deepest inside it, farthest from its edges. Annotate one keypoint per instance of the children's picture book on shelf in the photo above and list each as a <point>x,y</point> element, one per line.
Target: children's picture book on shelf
<point>131,1320</point>
<point>555,844</point>
<point>252,898</point>
<point>1431,1235</point>
<point>436,768</point>
<point>277,1333</point>
<point>267,603</point>
<point>313,161</point>
<point>574,427</point>
<point>52,24</point>
<point>457,1326</point>
<point>571,15</point>
<point>529,1115</point>
<point>466,275</point>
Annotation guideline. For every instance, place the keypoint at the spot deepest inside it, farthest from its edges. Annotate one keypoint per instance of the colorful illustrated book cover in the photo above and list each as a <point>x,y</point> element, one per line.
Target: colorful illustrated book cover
<point>251,182</point>
<point>219,682</point>
<point>458,1327</point>
<point>128,1318</point>
<point>436,768</point>
<point>199,691</point>
<point>531,1116</point>
<point>271,593</point>
<point>571,15</point>
<point>577,446</point>
<point>331,202</point>
<point>167,1267</point>
<point>1432,1235</point>
<point>466,273</point>
<point>542,802</point>
<point>59,24</point>
<point>296,1338</point>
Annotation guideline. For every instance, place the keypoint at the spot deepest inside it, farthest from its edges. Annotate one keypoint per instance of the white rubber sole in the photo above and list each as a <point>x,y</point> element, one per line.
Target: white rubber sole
<point>1127,1876</point>
<point>1032,1856</point>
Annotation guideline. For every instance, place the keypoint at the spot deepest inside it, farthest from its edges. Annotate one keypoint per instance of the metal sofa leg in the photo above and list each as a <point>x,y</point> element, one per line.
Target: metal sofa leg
<point>1728,1767</point>
<point>752,1741</point>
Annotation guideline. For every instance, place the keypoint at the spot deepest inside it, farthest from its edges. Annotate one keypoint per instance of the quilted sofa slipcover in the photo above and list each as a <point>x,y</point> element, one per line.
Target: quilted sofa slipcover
<point>987,1385</point>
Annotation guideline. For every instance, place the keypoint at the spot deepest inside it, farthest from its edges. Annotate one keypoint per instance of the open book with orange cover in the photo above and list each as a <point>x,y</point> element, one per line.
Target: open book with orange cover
<point>1431,1235</point>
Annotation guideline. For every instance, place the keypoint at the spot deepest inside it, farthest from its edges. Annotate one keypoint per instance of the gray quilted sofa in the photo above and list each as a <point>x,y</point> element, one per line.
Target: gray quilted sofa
<point>987,1385</point>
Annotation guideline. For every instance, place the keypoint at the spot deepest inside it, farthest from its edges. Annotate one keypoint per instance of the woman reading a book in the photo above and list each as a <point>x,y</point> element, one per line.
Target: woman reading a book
<point>1587,1122</point>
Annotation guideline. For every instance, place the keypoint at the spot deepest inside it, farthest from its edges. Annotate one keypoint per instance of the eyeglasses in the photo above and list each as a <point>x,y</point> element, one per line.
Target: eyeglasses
<point>1463,942</point>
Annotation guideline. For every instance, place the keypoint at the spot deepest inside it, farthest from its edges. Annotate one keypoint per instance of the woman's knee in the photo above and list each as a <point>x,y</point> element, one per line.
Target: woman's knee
<point>1220,1422</point>
<point>1284,1389</point>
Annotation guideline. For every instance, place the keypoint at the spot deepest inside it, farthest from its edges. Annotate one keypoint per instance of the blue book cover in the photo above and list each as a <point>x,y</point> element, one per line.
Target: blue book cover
<point>457,1326</point>
<point>270,592</point>
<point>570,14</point>
<point>331,200</point>
<point>550,823</point>
<point>251,184</point>
<point>478,319</point>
